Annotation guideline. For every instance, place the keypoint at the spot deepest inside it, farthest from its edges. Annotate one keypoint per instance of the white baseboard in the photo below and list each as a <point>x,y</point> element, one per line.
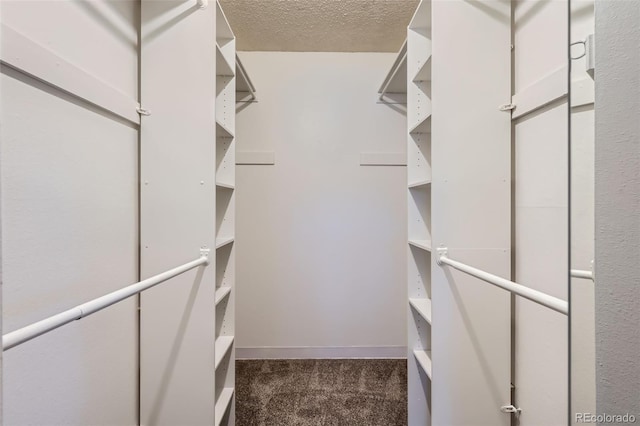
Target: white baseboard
<point>321,352</point>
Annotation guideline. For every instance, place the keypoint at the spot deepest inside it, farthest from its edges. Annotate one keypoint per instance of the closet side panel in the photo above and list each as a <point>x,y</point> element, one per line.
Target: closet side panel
<point>583,344</point>
<point>471,201</point>
<point>69,213</point>
<point>540,211</point>
<point>177,212</point>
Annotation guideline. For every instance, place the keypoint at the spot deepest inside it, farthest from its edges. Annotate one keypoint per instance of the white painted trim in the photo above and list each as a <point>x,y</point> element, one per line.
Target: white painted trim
<point>306,352</point>
<point>255,157</point>
<point>29,57</point>
<point>541,93</point>
<point>383,159</point>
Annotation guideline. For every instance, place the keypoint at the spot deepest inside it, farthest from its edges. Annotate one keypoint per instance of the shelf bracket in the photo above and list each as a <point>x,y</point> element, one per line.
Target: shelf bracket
<point>142,111</point>
<point>510,409</point>
<point>441,252</point>
<point>204,252</point>
<point>507,107</point>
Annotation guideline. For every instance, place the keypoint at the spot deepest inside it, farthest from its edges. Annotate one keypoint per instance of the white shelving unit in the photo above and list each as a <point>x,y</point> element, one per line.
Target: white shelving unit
<point>419,176</point>
<point>224,304</point>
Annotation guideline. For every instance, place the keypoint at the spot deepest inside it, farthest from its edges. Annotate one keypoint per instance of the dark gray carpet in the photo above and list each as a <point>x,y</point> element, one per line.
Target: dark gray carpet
<point>327,392</point>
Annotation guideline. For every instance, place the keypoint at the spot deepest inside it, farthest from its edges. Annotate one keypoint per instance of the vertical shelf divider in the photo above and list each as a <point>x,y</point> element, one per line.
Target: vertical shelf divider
<point>224,48</point>
<point>419,179</point>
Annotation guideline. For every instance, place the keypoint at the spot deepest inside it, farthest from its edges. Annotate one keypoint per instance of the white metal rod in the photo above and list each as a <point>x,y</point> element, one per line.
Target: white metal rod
<point>36,329</point>
<point>383,90</point>
<point>579,273</point>
<point>543,299</point>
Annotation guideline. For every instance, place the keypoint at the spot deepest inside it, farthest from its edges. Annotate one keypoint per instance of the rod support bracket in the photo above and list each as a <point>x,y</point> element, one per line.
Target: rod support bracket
<point>510,409</point>
<point>204,252</point>
<point>440,253</point>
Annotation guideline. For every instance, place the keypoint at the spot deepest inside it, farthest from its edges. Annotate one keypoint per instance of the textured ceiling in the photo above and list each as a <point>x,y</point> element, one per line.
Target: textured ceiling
<point>319,25</point>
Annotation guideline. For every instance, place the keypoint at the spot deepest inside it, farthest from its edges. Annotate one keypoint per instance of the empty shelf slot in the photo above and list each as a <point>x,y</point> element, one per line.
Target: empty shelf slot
<point>225,185</point>
<point>223,402</point>
<point>424,72</point>
<point>223,68</point>
<point>422,307</point>
<point>420,183</point>
<point>221,293</point>
<point>223,344</point>
<point>222,131</point>
<point>424,360</point>
<point>421,244</point>
<point>221,242</point>
<point>423,126</point>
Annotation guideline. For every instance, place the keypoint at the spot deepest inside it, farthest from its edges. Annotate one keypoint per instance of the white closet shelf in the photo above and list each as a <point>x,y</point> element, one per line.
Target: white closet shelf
<point>225,185</point>
<point>422,17</point>
<point>396,80</point>
<point>420,183</point>
<point>223,67</point>
<point>424,72</point>
<point>221,242</point>
<point>223,402</point>
<point>424,360</point>
<point>422,126</point>
<point>422,306</point>
<point>223,29</point>
<point>222,131</point>
<point>221,293</point>
<point>243,82</point>
<point>223,344</point>
<point>421,244</point>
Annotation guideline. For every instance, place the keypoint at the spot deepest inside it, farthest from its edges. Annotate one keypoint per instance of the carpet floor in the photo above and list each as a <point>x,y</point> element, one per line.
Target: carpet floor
<point>322,392</point>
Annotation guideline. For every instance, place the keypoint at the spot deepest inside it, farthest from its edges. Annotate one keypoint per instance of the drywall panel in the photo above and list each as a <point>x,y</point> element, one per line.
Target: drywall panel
<point>73,30</point>
<point>320,240</point>
<point>541,217</point>
<point>177,212</point>
<point>70,218</point>
<point>583,345</point>
<point>471,165</point>
<point>617,209</point>
<point>69,213</point>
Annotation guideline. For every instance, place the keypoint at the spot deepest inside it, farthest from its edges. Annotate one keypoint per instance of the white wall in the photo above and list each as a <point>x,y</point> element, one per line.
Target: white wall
<point>617,210</point>
<point>69,219</point>
<point>177,212</point>
<point>541,209</point>
<point>321,240</point>
<point>583,346</point>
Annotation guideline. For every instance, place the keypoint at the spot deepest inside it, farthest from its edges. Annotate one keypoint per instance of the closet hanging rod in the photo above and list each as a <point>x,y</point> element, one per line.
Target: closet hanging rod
<point>36,329</point>
<point>538,297</point>
<point>580,273</point>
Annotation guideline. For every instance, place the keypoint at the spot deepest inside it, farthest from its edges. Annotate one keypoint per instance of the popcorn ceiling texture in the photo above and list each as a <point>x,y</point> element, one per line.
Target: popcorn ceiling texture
<point>319,25</point>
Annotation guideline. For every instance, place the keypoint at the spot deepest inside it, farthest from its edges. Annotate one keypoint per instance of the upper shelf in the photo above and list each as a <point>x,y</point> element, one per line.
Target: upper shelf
<point>422,126</point>
<point>244,86</point>
<point>424,72</point>
<point>420,184</point>
<point>222,131</point>
<point>422,307</point>
<point>421,244</point>
<point>424,359</point>
<point>223,29</point>
<point>223,67</point>
<point>422,17</point>
<point>396,79</point>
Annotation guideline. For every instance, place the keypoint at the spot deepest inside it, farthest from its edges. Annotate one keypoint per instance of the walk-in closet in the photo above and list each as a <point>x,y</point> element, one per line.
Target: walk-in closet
<point>319,212</point>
